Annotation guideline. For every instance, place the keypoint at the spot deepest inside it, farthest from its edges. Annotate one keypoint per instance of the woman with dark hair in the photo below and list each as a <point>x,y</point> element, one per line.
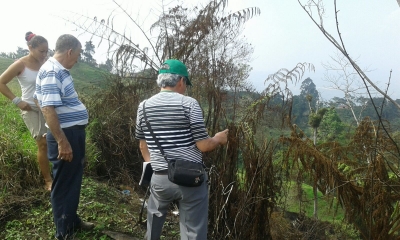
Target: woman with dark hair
<point>26,70</point>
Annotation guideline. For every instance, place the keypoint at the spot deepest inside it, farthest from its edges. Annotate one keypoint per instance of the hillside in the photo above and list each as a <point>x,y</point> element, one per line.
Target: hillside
<point>4,63</point>
<point>87,79</point>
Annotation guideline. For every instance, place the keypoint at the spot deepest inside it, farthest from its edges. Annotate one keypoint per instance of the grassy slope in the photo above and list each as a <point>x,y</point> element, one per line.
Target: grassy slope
<point>14,134</point>
<point>107,207</point>
<point>4,63</point>
<point>88,79</point>
<point>325,211</point>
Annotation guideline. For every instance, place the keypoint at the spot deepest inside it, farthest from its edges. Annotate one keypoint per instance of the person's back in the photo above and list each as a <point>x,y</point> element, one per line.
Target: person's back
<point>177,122</point>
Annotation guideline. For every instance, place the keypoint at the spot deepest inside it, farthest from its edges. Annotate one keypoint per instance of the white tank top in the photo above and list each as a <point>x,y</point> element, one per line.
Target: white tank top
<point>27,80</point>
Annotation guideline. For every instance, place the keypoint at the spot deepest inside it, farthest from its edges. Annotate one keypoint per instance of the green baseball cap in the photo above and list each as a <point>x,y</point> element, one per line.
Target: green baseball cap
<point>175,67</point>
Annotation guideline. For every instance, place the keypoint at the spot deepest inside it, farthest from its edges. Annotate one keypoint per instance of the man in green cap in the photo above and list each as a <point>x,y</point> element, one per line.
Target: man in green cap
<point>177,122</point>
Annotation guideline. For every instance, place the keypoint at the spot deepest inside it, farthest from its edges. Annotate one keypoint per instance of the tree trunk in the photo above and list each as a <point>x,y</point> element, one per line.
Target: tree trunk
<point>315,190</point>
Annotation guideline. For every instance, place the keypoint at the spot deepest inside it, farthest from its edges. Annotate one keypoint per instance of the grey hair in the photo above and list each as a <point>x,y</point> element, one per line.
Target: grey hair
<point>66,42</point>
<point>168,80</point>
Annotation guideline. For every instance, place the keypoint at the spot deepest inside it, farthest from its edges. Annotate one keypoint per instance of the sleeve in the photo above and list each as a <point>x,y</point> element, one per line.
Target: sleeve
<point>50,89</point>
<point>196,120</point>
<point>139,134</point>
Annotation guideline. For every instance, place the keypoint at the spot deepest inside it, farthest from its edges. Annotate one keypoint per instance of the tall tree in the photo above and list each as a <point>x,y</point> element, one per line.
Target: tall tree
<point>309,88</point>
<point>87,53</point>
<point>301,107</point>
<point>314,120</point>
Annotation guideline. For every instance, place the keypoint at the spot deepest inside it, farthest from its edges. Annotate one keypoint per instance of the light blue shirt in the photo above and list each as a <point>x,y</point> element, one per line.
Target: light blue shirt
<point>55,87</point>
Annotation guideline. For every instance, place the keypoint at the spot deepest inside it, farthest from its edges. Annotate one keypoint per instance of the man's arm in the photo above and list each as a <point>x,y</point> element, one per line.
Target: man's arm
<point>210,144</point>
<point>144,150</point>
<point>64,148</point>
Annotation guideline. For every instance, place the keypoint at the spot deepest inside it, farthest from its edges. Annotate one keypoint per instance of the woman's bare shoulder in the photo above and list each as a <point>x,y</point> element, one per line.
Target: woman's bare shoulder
<point>18,65</point>
<point>12,71</point>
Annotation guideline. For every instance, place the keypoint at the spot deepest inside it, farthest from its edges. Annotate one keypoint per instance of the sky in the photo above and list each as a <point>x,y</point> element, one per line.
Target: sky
<point>282,35</point>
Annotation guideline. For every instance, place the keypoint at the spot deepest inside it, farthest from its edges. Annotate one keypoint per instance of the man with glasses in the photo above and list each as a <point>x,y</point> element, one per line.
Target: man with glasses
<point>66,119</point>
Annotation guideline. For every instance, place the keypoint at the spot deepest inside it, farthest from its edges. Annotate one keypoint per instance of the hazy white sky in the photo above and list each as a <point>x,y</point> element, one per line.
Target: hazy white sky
<point>282,36</point>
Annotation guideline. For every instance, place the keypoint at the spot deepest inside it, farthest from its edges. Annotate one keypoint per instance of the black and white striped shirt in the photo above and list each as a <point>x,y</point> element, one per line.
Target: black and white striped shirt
<point>177,122</point>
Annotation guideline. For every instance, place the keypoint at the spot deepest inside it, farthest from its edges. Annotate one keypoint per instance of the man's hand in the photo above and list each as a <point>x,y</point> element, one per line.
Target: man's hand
<point>209,144</point>
<point>64,150</point>
<point>222,137</point>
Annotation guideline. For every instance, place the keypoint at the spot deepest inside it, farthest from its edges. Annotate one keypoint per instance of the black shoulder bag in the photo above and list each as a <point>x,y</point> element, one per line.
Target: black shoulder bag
<point>180,172</point>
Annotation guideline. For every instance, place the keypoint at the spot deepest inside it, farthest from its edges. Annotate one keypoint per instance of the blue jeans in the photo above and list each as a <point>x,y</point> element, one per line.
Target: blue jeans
<point>67,181</point>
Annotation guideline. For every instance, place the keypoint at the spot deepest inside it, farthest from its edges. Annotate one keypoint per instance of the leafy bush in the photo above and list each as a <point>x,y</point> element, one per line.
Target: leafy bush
<point>113,151</point>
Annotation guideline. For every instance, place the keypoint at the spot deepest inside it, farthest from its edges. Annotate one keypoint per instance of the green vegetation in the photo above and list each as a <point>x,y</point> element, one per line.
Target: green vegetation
<point>88,79</point>
<point>106,206</point>
<point>4,63</point>
<point>16,145</point>
<point>101,203</point>
<point>327,212</point>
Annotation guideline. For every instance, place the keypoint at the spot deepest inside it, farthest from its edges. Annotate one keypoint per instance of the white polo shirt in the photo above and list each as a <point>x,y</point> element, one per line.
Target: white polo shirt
<point>55,87</point>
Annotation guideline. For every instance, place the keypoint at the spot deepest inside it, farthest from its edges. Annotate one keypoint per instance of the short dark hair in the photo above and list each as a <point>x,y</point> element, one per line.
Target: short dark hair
<point>66,42</point>
<point>34,40</point>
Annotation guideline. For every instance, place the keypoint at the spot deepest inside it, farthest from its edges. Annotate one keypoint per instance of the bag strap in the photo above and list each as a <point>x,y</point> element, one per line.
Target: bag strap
<point>152,133</point>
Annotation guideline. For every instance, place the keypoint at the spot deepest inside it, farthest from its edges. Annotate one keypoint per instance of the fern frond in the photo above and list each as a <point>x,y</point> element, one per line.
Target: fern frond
<point>294,75</point>
<point>240,17</point>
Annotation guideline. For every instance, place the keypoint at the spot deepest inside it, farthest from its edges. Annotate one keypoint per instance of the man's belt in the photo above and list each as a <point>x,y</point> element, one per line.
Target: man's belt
<point>162,172</point>
<point>76,127</point>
